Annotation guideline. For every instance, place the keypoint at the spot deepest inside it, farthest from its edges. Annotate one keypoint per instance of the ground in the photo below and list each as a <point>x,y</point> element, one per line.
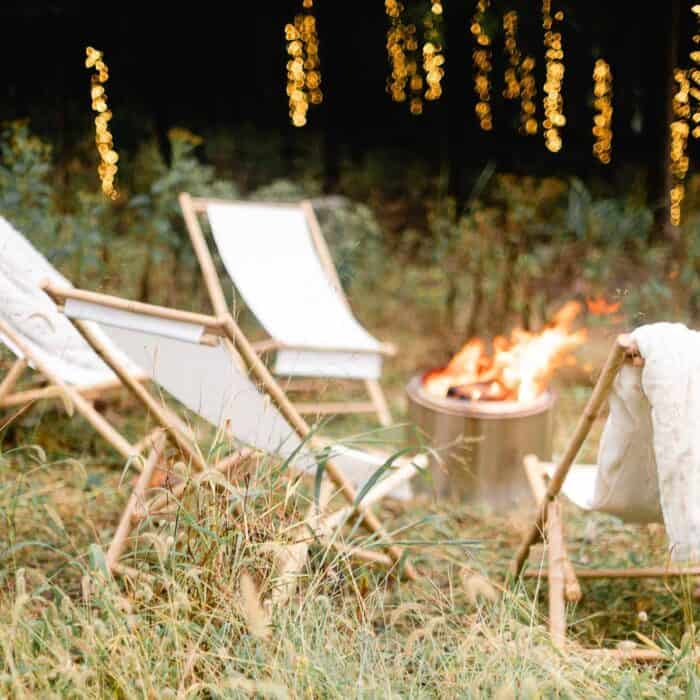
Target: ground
<point>463,630</point>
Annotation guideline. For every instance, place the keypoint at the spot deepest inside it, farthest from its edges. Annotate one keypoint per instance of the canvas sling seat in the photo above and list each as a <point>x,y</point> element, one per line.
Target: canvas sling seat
<point>279,262</point>
<point>44,341</point>
<point>196,359</point>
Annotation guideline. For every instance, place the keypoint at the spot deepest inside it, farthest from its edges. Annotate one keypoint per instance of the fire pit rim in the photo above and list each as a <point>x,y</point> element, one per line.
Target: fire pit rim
<point>487,410</point>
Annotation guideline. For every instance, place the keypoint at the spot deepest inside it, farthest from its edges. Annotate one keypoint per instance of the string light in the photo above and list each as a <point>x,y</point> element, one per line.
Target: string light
<point>510,29</point>
<point>528,93</point>
<point>679,140</point>
<point>433,58</point>
<point>695,77</point>
<point>107,169</point>
<point>303,66</point>
<point>519,80</point>
<point>602,120</point>
<point>401,46</point>
<point>554,118</point>
<point>482,66</point>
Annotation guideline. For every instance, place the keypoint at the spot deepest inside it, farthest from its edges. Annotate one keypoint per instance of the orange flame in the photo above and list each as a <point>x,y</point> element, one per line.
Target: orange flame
<point>519,367</point>
<point>600,307</point>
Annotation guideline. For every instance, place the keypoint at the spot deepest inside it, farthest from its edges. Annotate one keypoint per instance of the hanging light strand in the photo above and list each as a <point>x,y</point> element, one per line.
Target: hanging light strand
<point>695,76</point>
<point>401,46</point>
<point>528,93</point>
<point>303,66</point>
<point>518,76</point>
<point>482,66</point>
<point>602,102</point>
<point>107,169</point>
<point>678,160</point>
<point>510,30</point>
<point>433,58</point>
<point>554,119</point>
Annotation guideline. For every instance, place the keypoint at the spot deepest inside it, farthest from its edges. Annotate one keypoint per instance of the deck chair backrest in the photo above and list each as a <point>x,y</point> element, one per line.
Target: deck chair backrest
<point>207,380</point>
<point>247,409</point>
<point>213,383</point>
<point>34,316</point>
<point>270,254</point>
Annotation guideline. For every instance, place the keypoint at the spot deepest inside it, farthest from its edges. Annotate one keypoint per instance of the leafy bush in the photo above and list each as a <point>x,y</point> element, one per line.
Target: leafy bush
<point>26,191</point>
<point>521,245</point>
<point>161,227</point>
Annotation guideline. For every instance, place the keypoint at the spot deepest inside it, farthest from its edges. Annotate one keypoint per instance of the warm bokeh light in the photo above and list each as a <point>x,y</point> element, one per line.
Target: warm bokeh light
<point>554,119</point>
<point>519,79</point>
<point>510,30</point>
<point>602,120</point>
<point>433,58</point>
<point>528,93</point>
<point>107,169</point>
<point>402,48</point>
<point>694,75</point>
<point>482,66</point>
<point>678,159</point>
<point>303,66</point>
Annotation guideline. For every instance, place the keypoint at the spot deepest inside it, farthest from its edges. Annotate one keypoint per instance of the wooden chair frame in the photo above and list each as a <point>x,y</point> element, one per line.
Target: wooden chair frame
<point>237,343</point>
<point>563,577</point>
<point>191,207</point>
<point>79,398</point>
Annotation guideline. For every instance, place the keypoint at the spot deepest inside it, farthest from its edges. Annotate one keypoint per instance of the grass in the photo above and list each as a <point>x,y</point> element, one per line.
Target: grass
<point>201,626</point>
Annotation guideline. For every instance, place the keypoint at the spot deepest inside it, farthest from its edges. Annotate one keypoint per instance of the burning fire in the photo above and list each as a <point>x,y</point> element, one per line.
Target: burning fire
<point>519,367</point>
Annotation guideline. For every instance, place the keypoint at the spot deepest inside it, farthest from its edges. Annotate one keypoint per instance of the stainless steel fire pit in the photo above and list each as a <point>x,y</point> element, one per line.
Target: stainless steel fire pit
<point>480,445</point>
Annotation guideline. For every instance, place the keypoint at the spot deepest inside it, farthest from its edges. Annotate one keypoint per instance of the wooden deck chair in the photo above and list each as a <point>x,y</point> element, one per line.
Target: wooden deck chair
<point>43,341</point>
<point>212,380</point>
<point>279,262</point>
<point>577,481</point>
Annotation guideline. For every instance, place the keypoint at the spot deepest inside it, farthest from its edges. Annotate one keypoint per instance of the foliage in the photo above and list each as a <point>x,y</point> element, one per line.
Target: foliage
<point>67,630</point>
<point>355,237</point>
<point>25,181</point>
<point>519,247</point>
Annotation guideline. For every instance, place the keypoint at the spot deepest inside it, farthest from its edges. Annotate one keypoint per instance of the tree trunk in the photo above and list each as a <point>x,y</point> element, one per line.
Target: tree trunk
<point>661,180</point>
<point>330,27</point>
<point>457,82</point>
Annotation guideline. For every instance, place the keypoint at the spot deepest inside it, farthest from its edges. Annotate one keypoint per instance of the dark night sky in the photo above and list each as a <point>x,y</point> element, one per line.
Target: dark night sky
<point>200,66</point>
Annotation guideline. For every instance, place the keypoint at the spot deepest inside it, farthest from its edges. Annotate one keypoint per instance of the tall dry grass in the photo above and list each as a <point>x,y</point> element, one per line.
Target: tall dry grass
<point>204,623</point>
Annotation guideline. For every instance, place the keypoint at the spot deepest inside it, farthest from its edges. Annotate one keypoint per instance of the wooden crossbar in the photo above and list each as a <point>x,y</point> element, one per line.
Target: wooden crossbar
<point>91,392</point>
<point>72,396</point>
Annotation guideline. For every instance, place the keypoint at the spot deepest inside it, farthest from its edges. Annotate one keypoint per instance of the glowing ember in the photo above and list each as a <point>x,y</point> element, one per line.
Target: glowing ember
<point>600,307</point>
<point>519,367</point>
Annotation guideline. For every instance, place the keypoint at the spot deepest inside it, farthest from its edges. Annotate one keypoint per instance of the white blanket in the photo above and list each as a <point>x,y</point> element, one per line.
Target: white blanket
<point>649,458</point>
<point>35,318</point>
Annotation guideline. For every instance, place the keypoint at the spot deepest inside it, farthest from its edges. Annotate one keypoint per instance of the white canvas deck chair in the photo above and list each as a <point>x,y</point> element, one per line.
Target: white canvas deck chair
<point>44,341</point>
<point>204,362</point>
<point>577,481</point>
<point>279,262</point>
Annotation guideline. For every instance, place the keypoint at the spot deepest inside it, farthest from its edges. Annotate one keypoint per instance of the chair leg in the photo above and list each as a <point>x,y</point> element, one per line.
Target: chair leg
<point>556,556</point>
<point>378,398</point>
<point>125,524</point>
<point>535,477</point>
<point>162,503</point>
<point>12,376</point>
